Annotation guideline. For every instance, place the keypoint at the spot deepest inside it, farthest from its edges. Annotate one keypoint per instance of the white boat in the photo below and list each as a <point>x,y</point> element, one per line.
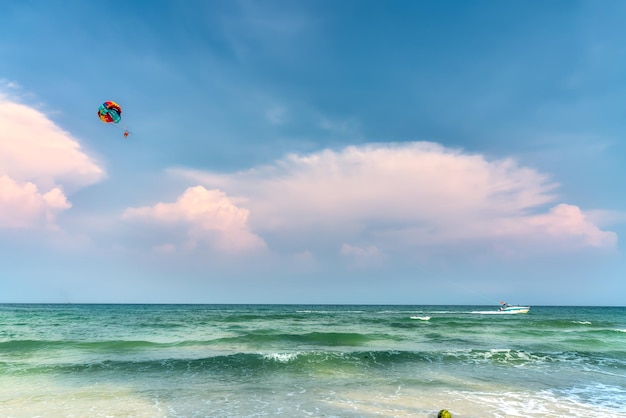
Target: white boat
<point>506,309</point>
<point>513,309</point>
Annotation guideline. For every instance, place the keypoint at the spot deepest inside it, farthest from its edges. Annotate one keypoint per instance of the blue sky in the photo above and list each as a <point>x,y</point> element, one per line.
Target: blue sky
<point>410,152</point>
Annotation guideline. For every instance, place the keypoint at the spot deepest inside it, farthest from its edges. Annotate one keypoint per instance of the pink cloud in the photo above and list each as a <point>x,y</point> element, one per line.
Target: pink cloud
<point>23,206</point>
<point>206,217</point>
<point>567,222</point>
<point>406,197</point>
<point>39,164</point>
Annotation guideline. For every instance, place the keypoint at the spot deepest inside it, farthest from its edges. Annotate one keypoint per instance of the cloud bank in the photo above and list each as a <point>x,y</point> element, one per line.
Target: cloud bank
<point>199,218</point>
<point>378,199</point>
<point>39,165</point>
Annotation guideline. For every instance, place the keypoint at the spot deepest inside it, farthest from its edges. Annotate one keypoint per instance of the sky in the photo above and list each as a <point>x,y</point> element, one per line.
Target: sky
<point>331,152</point>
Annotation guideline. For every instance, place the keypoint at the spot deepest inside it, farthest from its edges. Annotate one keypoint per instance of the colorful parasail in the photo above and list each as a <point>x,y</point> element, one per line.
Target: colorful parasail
<point>111,112</point>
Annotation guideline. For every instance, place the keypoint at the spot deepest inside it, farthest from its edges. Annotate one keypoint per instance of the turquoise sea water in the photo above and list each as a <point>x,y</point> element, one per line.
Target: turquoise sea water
<point>310,361</point>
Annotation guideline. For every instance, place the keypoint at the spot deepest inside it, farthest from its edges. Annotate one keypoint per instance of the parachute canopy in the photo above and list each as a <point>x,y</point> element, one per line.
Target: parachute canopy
<point>110,112</point>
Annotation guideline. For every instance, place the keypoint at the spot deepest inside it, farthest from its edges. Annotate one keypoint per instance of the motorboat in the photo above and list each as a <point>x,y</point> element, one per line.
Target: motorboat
<point>513,309</point>
<point>505,309</point>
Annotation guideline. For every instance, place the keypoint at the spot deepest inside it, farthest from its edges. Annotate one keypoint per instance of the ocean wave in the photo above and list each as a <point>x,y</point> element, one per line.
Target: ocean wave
<point>316,338</point>
<point>261,337</point>
<point>28,346</point>
<point>259,362</point>
<point>556,324</point>
<point>281,357</point>
<point>327,312</point>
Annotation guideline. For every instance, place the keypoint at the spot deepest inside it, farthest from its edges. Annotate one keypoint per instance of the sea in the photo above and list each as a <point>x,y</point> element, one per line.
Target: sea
<point>74,360</point>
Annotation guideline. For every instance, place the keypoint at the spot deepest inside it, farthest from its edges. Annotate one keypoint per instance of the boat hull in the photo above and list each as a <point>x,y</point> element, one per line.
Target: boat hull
<point>509,310</point>
<point>516,309</point>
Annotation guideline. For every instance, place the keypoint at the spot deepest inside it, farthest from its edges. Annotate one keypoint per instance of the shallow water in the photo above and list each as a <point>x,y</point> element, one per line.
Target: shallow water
<point>297,360</point>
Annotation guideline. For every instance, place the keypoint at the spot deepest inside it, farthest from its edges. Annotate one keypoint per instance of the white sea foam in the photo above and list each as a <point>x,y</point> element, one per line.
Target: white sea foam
<point>598,395</point>
<point>539,404</point>
<point>421,318</point>
<point>491,402</point>
<point>280,357</point>
<point>582,322</point>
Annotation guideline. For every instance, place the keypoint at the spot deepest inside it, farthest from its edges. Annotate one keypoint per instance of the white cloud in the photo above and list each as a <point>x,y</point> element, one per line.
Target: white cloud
<point>406,197</point>
<point>39,164</point>
<point>203,218</point>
